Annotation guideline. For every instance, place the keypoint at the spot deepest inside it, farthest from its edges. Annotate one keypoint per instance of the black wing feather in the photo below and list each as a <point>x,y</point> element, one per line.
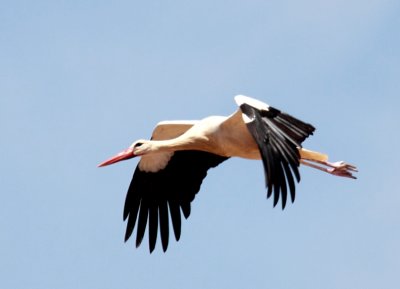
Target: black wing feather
<point>150,195</point>
<point>164,230</point>
<point>185,206</point>
<point>143,214</point>
<point>175,218</point>
<point>153,225</point>
<point>278,136</point>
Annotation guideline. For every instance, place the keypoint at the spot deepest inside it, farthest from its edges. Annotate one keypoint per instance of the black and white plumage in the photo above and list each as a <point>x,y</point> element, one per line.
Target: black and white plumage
<point>278,136</point>
<point>176,160</point>
<point>171,189</point>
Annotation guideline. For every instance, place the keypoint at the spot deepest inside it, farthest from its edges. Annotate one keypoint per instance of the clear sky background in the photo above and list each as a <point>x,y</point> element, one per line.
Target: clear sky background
<point>81,80</point>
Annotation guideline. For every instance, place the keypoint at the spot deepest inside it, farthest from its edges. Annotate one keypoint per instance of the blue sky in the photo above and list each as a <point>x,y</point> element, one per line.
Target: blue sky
<point>81,80</point>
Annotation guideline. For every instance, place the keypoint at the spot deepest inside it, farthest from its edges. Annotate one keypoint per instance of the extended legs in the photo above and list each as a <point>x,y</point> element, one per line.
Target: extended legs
<point>320,161</point>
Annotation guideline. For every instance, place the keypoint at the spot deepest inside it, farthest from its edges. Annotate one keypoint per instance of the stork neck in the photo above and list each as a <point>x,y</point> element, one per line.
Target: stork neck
<point>180,144</point>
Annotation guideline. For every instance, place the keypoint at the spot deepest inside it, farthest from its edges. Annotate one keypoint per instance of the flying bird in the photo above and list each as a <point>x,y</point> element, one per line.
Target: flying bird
<point>175,161</point>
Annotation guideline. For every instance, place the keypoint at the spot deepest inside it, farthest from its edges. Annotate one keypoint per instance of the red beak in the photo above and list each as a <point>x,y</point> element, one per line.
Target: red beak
<point>124,155</point>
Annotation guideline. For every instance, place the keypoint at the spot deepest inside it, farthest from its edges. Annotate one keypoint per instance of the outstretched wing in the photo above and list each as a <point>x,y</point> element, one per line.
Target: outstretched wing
<point>154,197</point>
<point>278,136</point>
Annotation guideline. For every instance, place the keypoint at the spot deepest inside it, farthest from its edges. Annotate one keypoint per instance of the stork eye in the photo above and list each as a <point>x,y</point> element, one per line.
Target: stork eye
<point>138,144</point>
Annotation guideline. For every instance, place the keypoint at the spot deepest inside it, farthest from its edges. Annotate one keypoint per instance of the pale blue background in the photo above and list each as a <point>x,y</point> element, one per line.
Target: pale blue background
<point>81,80</point>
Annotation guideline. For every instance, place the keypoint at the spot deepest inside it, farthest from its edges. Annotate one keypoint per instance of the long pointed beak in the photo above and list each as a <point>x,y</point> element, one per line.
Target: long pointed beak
<point>124,155</point>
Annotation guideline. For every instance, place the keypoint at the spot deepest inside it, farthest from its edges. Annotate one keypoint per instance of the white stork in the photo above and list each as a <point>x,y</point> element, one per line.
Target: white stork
<point>176,160</point>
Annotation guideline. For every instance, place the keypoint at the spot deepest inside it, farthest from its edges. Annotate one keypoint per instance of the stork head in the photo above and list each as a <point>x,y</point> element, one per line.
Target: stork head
<point>138,148</point>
